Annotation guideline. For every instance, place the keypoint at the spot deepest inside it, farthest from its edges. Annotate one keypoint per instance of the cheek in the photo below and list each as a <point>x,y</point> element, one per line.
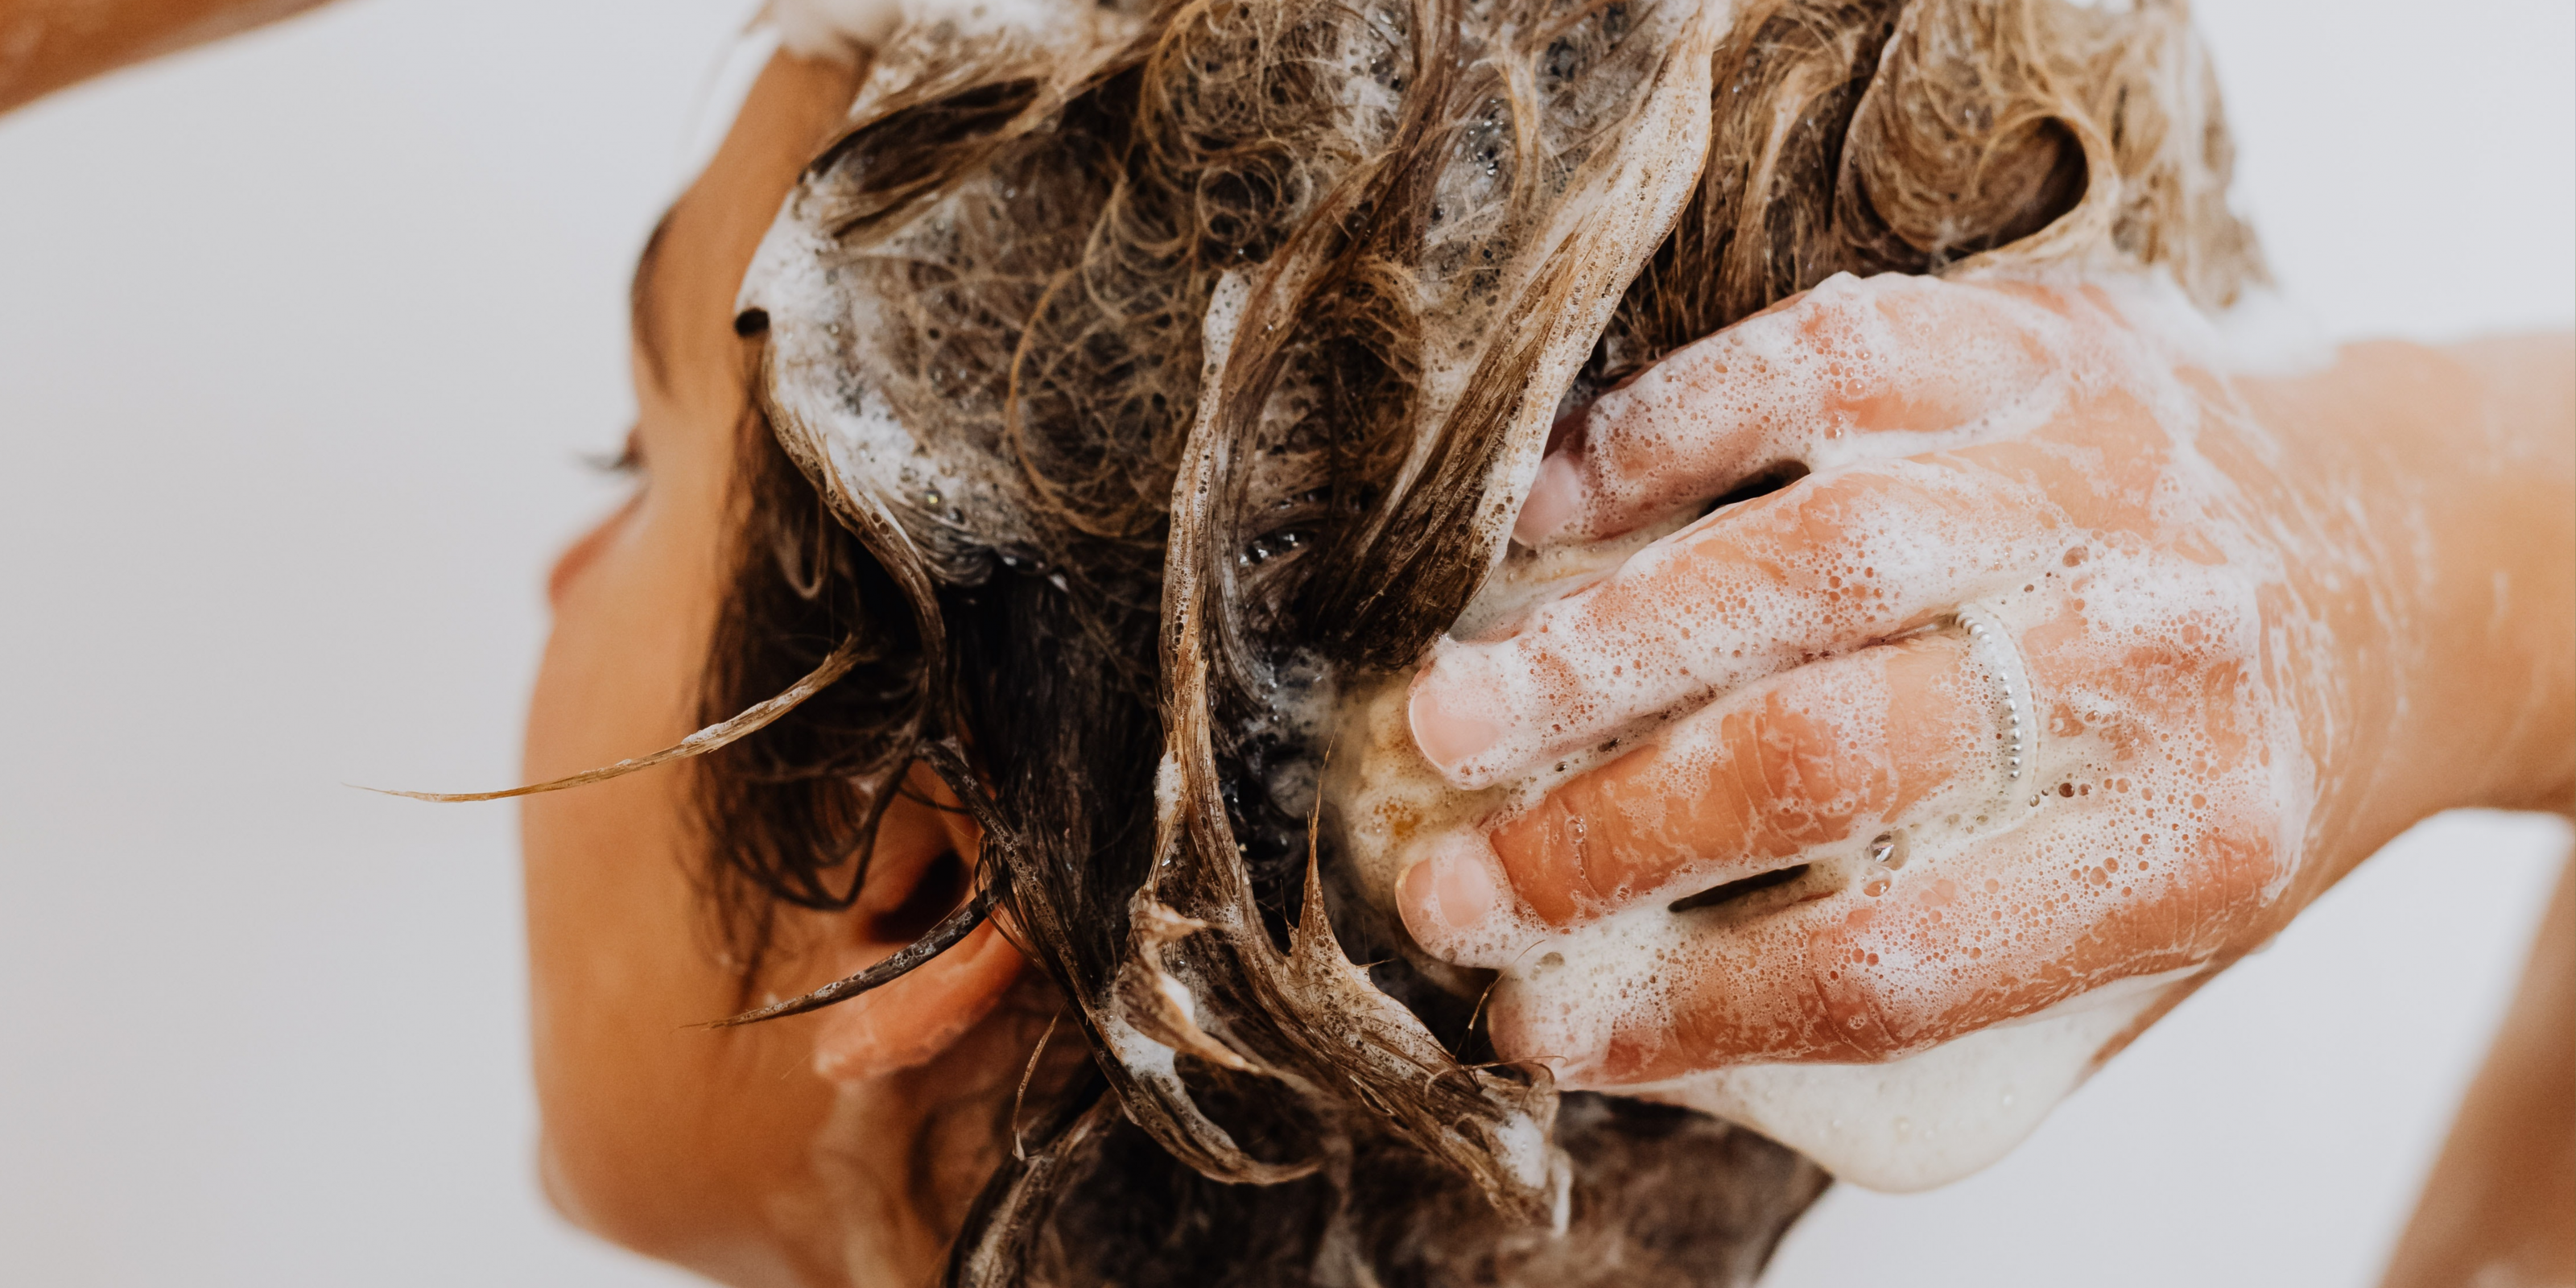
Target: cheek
<point>658,1134</point>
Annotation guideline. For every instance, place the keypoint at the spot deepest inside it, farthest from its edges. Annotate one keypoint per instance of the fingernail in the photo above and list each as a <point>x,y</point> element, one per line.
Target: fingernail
<point>1552,500</point>
<point>1449,891</point>
<point>1450,727</point>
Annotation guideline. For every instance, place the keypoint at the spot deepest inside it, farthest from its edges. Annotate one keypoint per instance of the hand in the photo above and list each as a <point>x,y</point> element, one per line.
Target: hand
<point>2037,681</point>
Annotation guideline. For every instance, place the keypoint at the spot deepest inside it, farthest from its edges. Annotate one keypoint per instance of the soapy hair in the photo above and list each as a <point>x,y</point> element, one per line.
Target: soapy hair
<point>1132,386</point>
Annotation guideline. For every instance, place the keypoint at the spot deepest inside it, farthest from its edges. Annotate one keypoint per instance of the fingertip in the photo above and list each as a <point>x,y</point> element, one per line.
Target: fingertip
<point>1414,901</point>
<point>1450,726</point>
<point>1510,1033</point>
<point>1448,896</point>
<point>1446,892</point>
<point>1465,890</point>
<point>1576,1040</point>
<point>1554,498</point>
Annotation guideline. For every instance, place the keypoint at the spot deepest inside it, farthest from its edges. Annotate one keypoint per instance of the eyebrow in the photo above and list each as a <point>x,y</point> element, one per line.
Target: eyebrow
<point>643,317</point>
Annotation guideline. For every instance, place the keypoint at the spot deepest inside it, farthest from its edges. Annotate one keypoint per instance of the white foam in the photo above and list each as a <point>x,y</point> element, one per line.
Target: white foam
<point>833,28</point>
<point>1927,1120</point>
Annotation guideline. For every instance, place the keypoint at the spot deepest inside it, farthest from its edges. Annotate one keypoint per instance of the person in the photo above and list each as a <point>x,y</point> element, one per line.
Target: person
<point>1058,719</point>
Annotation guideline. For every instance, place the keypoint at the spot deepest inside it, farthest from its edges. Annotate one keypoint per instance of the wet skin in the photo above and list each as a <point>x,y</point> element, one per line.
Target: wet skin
<point>833,1148</point>
<point>2243,684</point>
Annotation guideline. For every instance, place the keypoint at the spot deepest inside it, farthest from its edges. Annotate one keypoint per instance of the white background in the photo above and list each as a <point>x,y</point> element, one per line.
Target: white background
<point>301,341</point>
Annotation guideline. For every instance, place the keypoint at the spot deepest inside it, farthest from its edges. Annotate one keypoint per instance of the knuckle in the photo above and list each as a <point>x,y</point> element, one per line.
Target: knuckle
<point>1547,861</point>
<point>1791,774</point>
<point>1900,508</point>
<point>1859,493</point>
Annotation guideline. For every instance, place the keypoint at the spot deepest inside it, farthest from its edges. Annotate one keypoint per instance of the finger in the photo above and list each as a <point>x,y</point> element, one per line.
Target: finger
<point>1826,754</point>
<point>2035,917</point>
<point>1816,381</point>
<point>1829,566</point>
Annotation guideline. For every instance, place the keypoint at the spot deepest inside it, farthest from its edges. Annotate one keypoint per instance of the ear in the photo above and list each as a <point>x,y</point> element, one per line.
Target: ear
<point>919,872</point>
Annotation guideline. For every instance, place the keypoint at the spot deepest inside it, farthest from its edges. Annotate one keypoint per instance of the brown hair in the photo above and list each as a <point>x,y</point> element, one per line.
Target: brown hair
<point>1129,396</point>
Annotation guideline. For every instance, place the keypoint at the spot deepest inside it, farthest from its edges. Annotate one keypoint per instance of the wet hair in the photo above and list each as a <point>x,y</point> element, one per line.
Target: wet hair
<point>1128,393</point>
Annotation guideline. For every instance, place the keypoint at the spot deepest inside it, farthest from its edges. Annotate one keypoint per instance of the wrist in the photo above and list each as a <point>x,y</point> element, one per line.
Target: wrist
<point>2513,635</point>
<point>2438,559</point>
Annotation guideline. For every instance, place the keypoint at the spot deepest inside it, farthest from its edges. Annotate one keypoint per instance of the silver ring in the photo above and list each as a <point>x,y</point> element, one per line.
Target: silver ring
<point>2018,731</point>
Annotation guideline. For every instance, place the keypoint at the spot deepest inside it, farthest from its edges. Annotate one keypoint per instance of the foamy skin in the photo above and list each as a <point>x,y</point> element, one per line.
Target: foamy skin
<point>1801,384</point>
<point>2114,637</point>
<point>1711,610</point>
<point>1842,384</point>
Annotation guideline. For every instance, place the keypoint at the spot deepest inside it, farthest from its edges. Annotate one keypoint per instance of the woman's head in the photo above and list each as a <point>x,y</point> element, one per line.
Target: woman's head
<point>713,1149</point>
<point>1123,395</point>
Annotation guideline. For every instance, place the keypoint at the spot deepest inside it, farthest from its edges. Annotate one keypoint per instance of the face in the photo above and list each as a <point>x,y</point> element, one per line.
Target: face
<point>828,1148</point>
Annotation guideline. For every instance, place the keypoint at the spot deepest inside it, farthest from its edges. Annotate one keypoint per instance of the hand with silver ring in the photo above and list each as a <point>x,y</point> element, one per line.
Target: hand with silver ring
<point>2064,657</point>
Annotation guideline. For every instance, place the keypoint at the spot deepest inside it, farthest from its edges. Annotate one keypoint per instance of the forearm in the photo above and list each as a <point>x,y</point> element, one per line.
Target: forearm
<point>48,44</point>
<point>2441,485</point>
<point>2510,635</point>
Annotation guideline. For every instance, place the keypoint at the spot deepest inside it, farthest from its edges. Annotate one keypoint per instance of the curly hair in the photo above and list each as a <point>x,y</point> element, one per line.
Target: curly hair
<point>1127,393</point>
